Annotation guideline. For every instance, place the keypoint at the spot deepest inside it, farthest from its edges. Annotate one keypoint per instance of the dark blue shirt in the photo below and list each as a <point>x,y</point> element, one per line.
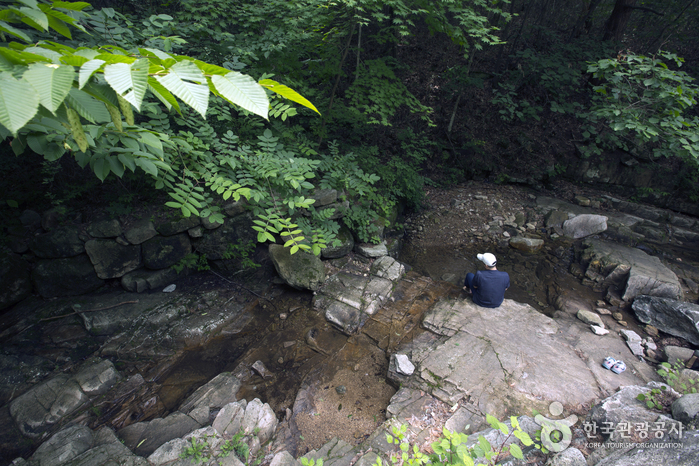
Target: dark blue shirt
<point>489,287</point>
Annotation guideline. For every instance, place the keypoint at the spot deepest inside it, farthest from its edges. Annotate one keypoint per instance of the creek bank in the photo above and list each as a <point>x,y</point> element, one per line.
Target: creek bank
<point>572,331</point>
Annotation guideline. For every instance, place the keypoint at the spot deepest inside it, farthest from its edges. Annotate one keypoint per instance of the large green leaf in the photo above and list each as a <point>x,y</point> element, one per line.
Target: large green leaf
<point>52,83</point>
<point>4,27</point>
<point>88,69</point>
<point>242,90</point>
<point>34,15</point>
<point>74,6</point>
<point>55,57</point>
<point>88,107</point>
<point>130,81</point>
<point>288,93</point>
<point>163,94</point>
<point>188,83</point>
<point>19,102</point>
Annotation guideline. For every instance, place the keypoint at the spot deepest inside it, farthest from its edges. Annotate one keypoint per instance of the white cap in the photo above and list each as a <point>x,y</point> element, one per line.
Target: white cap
<point>488,259</point>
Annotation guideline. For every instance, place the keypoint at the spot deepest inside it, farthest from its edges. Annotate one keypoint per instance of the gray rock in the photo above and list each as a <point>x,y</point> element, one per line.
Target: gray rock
<point>209,225</point>
<point>663,452</point>
<point>371,250</point>
<point>177,226</point>
<point>284,458</point>
<point>163,251</point>
<point>324,197</point>
<point>233,209</point>
<point>15,284</point>
<point>63,242</point>
<point>45,404</point>
<point>630,335</point>
<point>678,354</point>
<point>569,457</point>
<point>670,316</point>
<point>686,408</point>
<point>633,341</point>
<point>387,267</point>
<point>30,219</point>
<point>142,280</point>
<point>259,367</point>
<point>229,419</point>
<point>526,244</point>
<point>301,270</point>
<point>344,235</point>
<point>259,420</point>
<point>97,378</point>
<point>403,364</point>
<point>217,393</point>
<point>599,330</point>
<point>628,268</point>
<point>63,446</point>
<point>108,454</point>
<point>104,229</point>
<point>555,218</point>
<point>65,277</point>
<point>140,232</point>
<point>143,438</point>
<point>584,225</point>
<point>112,260</point>
<point>622,407</point>
<point>590,318</point>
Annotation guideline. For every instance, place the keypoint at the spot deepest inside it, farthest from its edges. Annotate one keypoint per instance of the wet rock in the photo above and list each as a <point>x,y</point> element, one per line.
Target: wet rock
<point>140,232</point>
<point>584,225</point>
<point>96,377</point>
<point>163,251</point>
<point>63,446</point>
<point>15,284</point>
<point>526,244</point>
<point>387,267</point>
<point>61,243</point>
<point>344,235</point>
<point>65,277</point>
<point>371,250</point>
<point>590,318</point>
<point>670,316</point>
<point>112,260</point>
<point>555,218</point>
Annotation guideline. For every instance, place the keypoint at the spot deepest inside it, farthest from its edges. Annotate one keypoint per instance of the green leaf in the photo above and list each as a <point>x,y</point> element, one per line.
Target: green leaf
<point>73,6</point>
<point>147,166</point>
<point>19,102</point>
<point>129,80</point>
<point>52,83</point>
<point>87,70</point>
<point>87,106</point>
<point>288,93</point>
<point>4,27</point>
<point>187,82</point>
<point>516,451</point>
<point>163,95</point>
<point>240,89</point>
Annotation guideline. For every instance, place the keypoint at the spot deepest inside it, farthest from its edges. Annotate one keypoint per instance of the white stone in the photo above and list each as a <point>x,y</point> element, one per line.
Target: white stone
<point>403,364</point>
<point>169,288</point>
<point>599,330</point>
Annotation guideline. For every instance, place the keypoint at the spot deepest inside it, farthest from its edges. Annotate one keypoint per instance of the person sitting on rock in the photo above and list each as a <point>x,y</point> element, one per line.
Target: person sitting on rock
<point>487,286</point>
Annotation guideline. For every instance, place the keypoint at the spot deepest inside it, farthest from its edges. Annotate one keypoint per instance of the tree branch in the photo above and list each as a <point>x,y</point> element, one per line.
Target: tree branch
<point>642,8</point>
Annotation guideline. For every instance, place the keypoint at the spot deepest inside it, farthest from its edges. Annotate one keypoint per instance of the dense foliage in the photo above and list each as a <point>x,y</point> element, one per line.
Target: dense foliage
<point>186,97</point>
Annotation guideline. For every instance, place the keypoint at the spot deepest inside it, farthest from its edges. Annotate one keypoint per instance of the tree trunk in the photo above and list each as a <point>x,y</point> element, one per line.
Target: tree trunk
<point>614,28</point>
<point>584,23</point>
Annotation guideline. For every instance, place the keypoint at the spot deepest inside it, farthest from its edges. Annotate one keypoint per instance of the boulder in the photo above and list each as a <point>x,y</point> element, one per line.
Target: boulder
<point>142,280</point>
<point>584,225</point>
<point>63,446</point>
<point>60,243</point>
<point>104,229</point>
<point>97,377</point>
<point>670,316</point>
<point>324,197</point>
<point>686,408</point>
<point>633,270</point>
<point>179,225</point>
<point>143,438</point>
<point>555,218</point>
<point>229,419</point>
<point>15,284</point>
<point>344,235</point>
<point>111,259</point>
<point>70,276</point>
<point>140,232</point>
<point>164,251</point>
<point>216,393</point>
<point>526,244</point>
<point>371,250</point>
<point>301,270</point>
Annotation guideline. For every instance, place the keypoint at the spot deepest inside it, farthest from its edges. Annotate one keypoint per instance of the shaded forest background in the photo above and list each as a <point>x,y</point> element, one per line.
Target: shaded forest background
<point>416,92</point>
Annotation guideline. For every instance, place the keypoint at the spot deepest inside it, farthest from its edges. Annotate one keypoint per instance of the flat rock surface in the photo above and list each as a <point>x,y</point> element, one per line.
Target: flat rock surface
<point>477,359</point>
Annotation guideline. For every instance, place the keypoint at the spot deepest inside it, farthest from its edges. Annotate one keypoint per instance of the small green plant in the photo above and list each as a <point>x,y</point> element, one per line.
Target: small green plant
<point>652,399</point>
<point>241,449</point>
<point>311,462</point>
<point>196,451</point>
<point>192,261</point>
<point>242,252</point>
<point>671,374</point>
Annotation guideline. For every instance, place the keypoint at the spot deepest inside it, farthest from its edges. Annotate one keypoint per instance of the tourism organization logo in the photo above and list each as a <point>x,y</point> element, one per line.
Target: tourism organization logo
<point>555,433</point>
